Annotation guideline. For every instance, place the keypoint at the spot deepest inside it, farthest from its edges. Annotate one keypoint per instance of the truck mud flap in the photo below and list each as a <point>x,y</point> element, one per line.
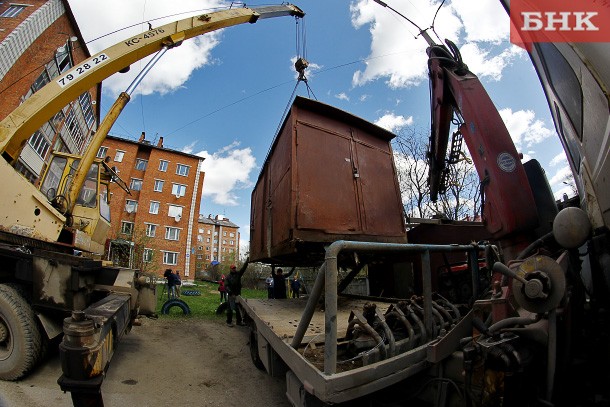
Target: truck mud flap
<point>90,337</point>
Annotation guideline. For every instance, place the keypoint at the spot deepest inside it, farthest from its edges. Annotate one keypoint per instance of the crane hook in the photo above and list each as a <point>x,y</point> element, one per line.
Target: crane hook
<point>300,65</point>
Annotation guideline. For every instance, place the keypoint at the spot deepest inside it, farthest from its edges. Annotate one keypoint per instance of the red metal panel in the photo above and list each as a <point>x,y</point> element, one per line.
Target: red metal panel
<point>326,190</point>
<point>280,186</point>
<point>258,219</point>
<point>329,176</point>
<point>509,203</point>
<point>382,205</point>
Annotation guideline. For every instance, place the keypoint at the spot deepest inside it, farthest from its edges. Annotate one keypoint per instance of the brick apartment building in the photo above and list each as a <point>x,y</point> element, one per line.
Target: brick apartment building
<point>217,241</point>
<point>152,228</point>
<point>39,40</point>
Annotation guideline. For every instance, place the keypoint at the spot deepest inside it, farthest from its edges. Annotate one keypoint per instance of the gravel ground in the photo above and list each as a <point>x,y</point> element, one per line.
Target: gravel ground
<point>164,362</point>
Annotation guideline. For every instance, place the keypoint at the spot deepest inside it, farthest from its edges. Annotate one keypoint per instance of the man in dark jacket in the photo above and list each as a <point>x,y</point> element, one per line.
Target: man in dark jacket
<point>295,286</point>
<point>171,283</point>
<point>233,287</point>
<point>279,283</point>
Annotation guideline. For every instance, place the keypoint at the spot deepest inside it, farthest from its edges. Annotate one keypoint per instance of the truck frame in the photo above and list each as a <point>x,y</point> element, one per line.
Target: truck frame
<point>538,286</point>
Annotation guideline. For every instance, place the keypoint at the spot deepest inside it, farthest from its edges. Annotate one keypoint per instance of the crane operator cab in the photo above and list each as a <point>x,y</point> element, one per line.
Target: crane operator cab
<point>87,219</point>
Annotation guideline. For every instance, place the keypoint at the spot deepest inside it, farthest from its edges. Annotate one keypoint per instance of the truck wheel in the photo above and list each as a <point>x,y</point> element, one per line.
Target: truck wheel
<point>169,304</point>
<point>254,347</point>
<point>20,339</point>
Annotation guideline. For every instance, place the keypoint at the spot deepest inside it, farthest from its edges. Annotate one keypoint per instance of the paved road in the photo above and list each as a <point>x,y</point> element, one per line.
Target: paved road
<point>166,363</point>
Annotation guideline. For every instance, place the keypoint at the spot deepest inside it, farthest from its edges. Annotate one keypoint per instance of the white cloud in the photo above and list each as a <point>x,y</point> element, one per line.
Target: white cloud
<point>364,98</point>
<point>226,171</point>
<point>404,58</point>
<point>98,18</point>
<point>563,182</point>
<point>482,25</point>
<point>342,96</point>
<point>483,20</point>
<point>482,64</point>
<point>525,130</point>
<point>558,159</point>
<point>563,174</point>
<point>392,122</point>
<point>189,147</point>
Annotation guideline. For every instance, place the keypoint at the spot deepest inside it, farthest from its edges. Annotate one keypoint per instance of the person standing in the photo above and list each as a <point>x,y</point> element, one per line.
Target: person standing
<point>279,283</point>
<point>171,283</point>
<point>222,288</point>
<point>269,283</point>
<point>295,286</point>
<point>178,284</point>
<point>233,288</point>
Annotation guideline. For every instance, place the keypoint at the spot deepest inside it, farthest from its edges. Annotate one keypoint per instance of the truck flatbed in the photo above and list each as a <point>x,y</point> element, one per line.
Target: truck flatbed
<point>282,316</point>
<point>274,323</point>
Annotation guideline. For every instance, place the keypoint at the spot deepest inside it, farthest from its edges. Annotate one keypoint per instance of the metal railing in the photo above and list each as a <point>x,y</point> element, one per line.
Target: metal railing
<point>328,276</point>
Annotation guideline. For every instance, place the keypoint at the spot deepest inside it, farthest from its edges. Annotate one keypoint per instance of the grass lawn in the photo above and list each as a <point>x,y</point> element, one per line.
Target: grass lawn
<point>204,305</point>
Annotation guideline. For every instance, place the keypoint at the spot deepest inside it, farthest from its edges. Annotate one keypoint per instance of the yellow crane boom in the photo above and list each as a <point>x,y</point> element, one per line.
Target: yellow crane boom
<point>28,211</point>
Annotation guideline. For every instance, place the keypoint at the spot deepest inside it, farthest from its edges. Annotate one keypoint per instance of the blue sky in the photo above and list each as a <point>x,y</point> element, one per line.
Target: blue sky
<point>222,95</point>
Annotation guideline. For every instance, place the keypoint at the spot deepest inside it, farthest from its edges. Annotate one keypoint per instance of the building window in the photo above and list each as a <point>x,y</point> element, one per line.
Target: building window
<point>199,257</point>
<point>207,257</point>
<point>231,250</point>
<point>127,227</point>
<point>182,169</point>
<point>209,231</point>
<point>131,206</point>
<point>74,129</point>
<point>13,10</point>
<point>215,241</point>
<point>224,233</point>
<point>147,256</point>
<point>85,104</point>
<point>199,238</point>
<point>200,247</point>
<point>154,207</point>
<point>174,210</point>
<point>207,248</point>
<point>224,241</point>
<point>63,59</point>
<point>232,234</point>
<point>158,185</point>
<point>230,242</point>
<point>207,240</point>
<point>141,164</point>
<point>172,233</point>
<point>170,258</point>
<point>40,144</point>
<point>163,165</point>
<point>215,233</point>
<point>151,230</point>
<point>178,190</point>
<point>215,249</point>
<point>42,80</point>
<point>136,184</point>
<point>200,230</point>
<point>101,153</point>
<point>118,157</point>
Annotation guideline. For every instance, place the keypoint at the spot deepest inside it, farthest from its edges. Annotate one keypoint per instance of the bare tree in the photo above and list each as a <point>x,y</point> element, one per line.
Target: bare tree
<point>412,169</point>
<point>461,197</point>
